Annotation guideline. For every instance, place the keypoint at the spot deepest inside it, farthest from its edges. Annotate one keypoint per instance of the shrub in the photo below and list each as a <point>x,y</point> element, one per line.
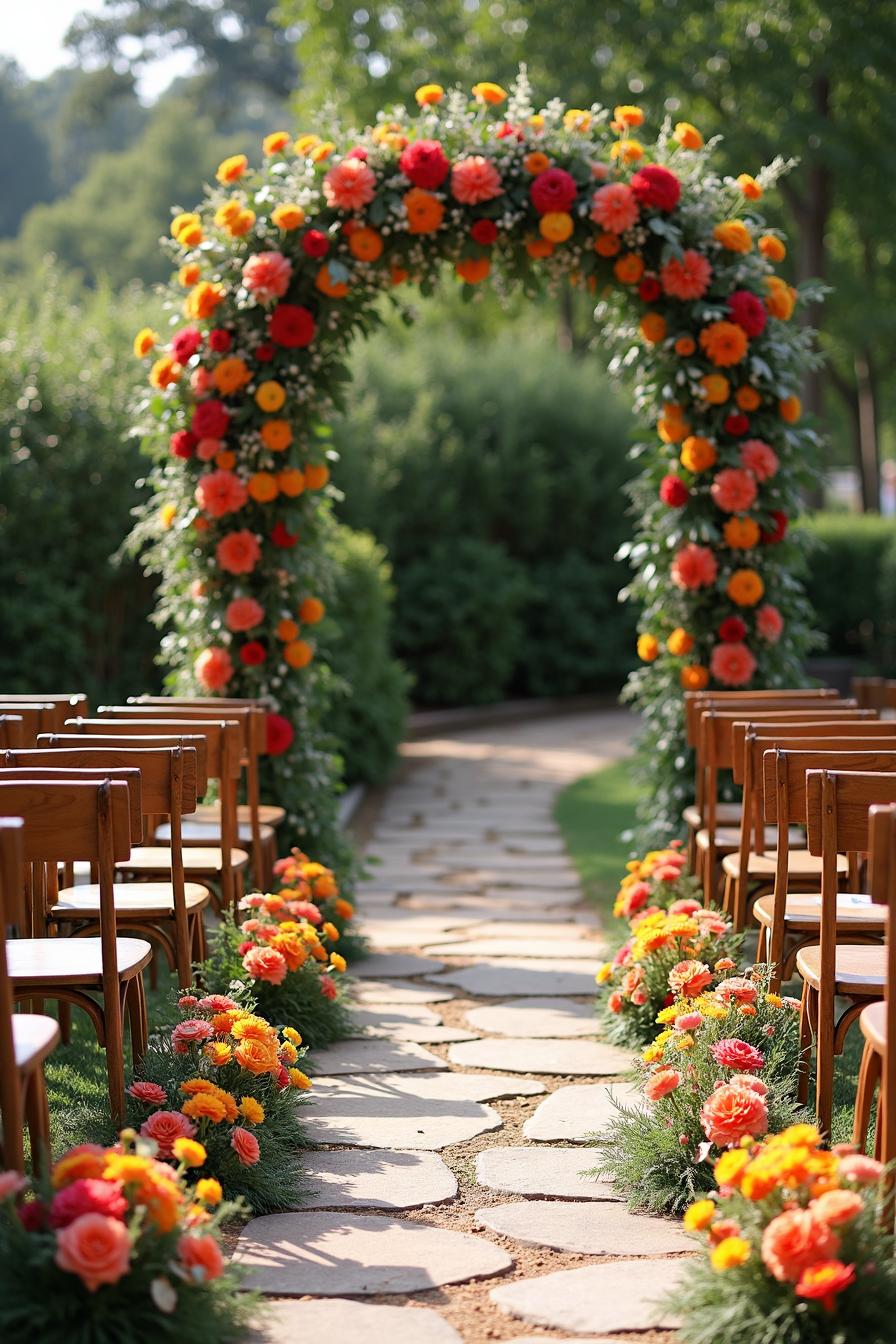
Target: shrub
<point>577,636</point>
<point>851,585</point>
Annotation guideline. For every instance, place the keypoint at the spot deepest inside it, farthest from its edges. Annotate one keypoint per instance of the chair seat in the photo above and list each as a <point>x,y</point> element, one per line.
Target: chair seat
<point>855,912</point>
<point>800,864</point>
<point>207,861</point>
<point>727,814</point>
<point>860,968</point>
<point>70,961</point>
<point>727,837</point>
<point>207,832</point>
<point>268,813</point>
<point>144,900</point>
<point>873,1021</point>
<point>34,1036</point>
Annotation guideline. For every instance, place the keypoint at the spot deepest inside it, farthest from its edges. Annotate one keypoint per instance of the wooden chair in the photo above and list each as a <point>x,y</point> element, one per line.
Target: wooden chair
<point>750,872</point>
<point>35,718</point>
<point>878,1020</point>
<point>716,753</point>
<point>26,1039</point>
<point>870,692</point>
<point>837,805</point>
<point>55,709</point>
<point>219,868</point>
<point>167,913</point>
<point>64,821</point>
<point>12,730</point>
<point>205,829</point>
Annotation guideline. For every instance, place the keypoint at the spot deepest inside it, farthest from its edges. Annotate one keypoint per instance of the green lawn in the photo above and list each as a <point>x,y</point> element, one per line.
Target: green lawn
<point>592,813</point>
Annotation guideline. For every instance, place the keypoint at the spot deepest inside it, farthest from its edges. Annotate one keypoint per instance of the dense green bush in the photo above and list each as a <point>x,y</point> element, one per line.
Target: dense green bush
<point>369,707</point>
<point>578,636</point>
<point>852,585</point>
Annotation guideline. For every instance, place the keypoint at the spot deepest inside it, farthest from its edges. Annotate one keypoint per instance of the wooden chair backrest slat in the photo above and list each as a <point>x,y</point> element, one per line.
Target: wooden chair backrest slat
<point>695,700</point>
<point>151,713</point>
<point>223,737</point>
<point>123,742</point>
<point>61,818</point>
<point>862,724</point>
<point>882,864</point>
<point>12,730</point>
<point>787,769</point>
<point>857,791</point>
<point>153,763</point>
<point>36,718</point>
<point>255,734</point>
<point>12,912</point>
<point>61,774</point>
<point>12,860</point>
<point>717,726</point>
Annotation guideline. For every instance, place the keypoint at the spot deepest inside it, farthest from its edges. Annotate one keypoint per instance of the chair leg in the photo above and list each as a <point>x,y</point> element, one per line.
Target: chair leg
<point>64,1014</point>
<point>805,1045</point>
<point>37,1115</point>
<point>869,1077</point>
<point>137,1019</point>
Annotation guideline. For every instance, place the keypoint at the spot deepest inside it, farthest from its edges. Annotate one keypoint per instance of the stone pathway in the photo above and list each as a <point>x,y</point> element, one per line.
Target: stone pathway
<point>448,1204</point>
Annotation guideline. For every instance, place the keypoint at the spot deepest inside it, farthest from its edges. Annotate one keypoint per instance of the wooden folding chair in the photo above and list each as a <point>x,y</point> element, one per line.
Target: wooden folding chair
<point>12,730</point>
<point>26,1039</point>
<point>837,805</point>
<point>878,1020</point>
<point>219,868</point>
<point>55,709</point>
<point>35,718</point>
<point>68,820</point>
<point>167,913</point>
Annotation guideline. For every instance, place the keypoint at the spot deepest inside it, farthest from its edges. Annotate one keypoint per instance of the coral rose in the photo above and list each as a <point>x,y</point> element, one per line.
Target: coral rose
<point>837,1206</point>
<point>166,1126</point>
<point>733,490</point>
<point>732,1053</point>
<point>474,180</point>
<point>861,1169</point>
<point>732,664</point>
<point>243,613</point>
<point>657,187</point>
<point>245,1145</point>
<point>686,277</point>
<point>238,552</point>
<point>424,164</point>
<point>724,343</point>
<point>689,978</point>
<point>737,989</point>
<point>213,668</point>
<point>694,567</point>
<point>350,185</point>
<point>769,623</point>
<point>265,963</point>
<point>190,1032</point>
<point>201,1257</point>
<point>267,275</point>
<point>96,1248</point>
<point>150,1093</point>
<point>822,1282</point>
<point>758,457</point>
<point>220,492</point>
<point>615,207</point>
<point>732,1113</point>
<point>661,1083</point>
<point>88,1195</point>
<point>794,1241</point>
<point>553,191</point>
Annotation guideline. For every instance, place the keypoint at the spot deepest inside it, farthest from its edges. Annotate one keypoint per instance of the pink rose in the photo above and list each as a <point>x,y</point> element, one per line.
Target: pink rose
<point>265,963</point>
<point>474,180</point>
<point>150,1093</point>
<point>733,490</point>
<point>688,1021</point>
<point>166,1126</point>
<point>216,1003</point>
<point>737,988</point>
<point>267,275</point>
<point>732,664</point>
<point>11,1184</point>
<point>245,1145</point>
<point>861,1169</point>
<point>201,1257</point>
<point>96,1248</point>
<point>749,1081</point>
<point>739,1055</point>
<point>305,910</point>
<point>769,623</point>
<point>87,1195</point>
<point>694,567</point>
<point>189,1032</point>
<point>731,1114</point>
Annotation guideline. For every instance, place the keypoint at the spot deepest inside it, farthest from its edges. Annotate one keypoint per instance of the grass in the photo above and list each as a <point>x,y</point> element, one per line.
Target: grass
<point>593,813</point>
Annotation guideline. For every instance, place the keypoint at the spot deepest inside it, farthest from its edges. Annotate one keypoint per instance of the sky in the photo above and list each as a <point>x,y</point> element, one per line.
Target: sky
<point>32,34</point>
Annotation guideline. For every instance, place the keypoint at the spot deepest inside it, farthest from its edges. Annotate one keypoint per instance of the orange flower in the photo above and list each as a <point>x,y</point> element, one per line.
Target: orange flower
<point>270,395</point>
<point>772,248</point>
<point>653,327</point>
<point>724,343</point>
<point>627,115</point>
<point>305,143</point>
<point>218,1052</point>
<point>685,346</point>
<point>316,475</point>
<point>232,169</point>
<point>716,388</point>
<point>539,247</point>
<point>276,142</point>
<point>200,1253</point>
<point>257,1056</point>
<point>144,341</point>
<point>165,372</point>
<point>679,642</point>
<point>291,482</point>
<point>780,297</point>
<point>227,213</point>
<point>86,1162</point>
<point>822,1281</point>
<point>790,409</point>
<point>629,269</point>
<point>184,222</point>
<point>322,151</point>
<point>95,1248</point>
<point>745,587</point>
<point>429,94</point>
<point>202,301</point>
<point>648,648</point>
<point>607,245</point>
<point>365,244</point>
<point>489,93</point>
<point>672,429</point>
<point>276,435</point>
<point>577,119</point>
<point>734,235</point>
<point>472,270</point>
<point>262,487</point>
<point>298,653</point>
<point>794,1241</point>
<point>288,216</point>
<point>189,274</point>
<point>230,375</point>
<point>536,163</point>
<point>311,611</point>
<point>693,678</point>
<point>205,1106</point>
<point>747,398</point>
<point>241,225</point>
<point>557,226</point>
<point>424,211</point>
<point>741,534</point>
<point>629,151</point>
<point>334,289</point>
<point>749,186</point>
<point>687,136</point>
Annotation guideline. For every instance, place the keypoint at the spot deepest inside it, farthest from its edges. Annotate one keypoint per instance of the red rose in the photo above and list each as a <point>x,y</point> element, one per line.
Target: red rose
<point>253,653</point>
<point>484,231</point>
<point>281,1079</point>
<point>656,186</point>
<point>732,630</point>
<point>220,340</point>
<point>265,352</point>
<point>748,312</point>
<point>650,289</point>
<point>183,443</point>
<point>424,164</point>
<point>282,537</point>
<point>315,243</point>
<point>87,1195</point>
<point>779,532</point>
<point>280,734</point>
<point>736,424</point>
<point>185,343</point>
<point>244,948</point>
<point>291,326</point>
<point>553,190</point>
<point>507,128</point>
<point>358,152</point>
<point>674,492</point>
<point>210,420</point>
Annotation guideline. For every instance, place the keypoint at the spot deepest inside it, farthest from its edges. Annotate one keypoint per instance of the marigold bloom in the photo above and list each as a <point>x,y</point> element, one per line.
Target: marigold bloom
<point>693,678</point>
<point>730,1253</point>
<point>188,274</point>
<point>472,270</point>
<point>679,642</point>
<point>144,341</point>
<point>629,151</point>
<point>230,170</point>
<point>724,343</point>
<point>790,409</point>
<point>749,186</point>
<point>694,567</point>
<point>648,648</point>
<point>275,143</point>
<point>252,1111</point>
<point>741,534</point>
<point>429,94</point>
<point>231,374</point>
<point>772,248</point>
<point>203,299</point>
<point>298,653</point>
<point>699,1215</point>
<point>209,1191</point>
<point>270,395</point>
<point>686,277</point>
<point>424,211</point>
<point>716,388</point>
<point>484,92</point>
<point>687,136</point>
<point>188,1151</point>
<point>276,435</point>
<point>629,268</point>
<point>205,1106</point>
<point>780,298</point>
<point>745,587</point>
<point>556,226</point>
<point>165,372</point>
<point>653,328</point>
<point>299,1079</point>
<point>365,245</point>
<point>288,216</point>
<point>748,398</point>
<point>626,114</point>
<point>316,475</point>
<point>697,453</point>
<point>734,235</point>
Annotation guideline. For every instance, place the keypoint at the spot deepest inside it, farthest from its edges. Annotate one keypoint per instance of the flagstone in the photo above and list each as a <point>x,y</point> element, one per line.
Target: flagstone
<point>518,903</point>
<point>587,1228</point>
<point>624,1295</point>
<point>542,1173</point>
<point>337,1318</point>
<point>377,1178</point>
<point>376,1056</point>
<point>390,965</point>
<point>535,1017</point>
<point>572,1114</point>
<point>400,991</point>
<point>325,1254</point>
<point>515,877</point>
<point>499,978</point>
<point>571,923</point>
<point>520,947</point>
<point>589,1059</point>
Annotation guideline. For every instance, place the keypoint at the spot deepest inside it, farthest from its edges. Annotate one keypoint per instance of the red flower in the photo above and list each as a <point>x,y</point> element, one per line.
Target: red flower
<point>424,164</point>
<point>315,243</point>
<point>358,152</point>
<point>656,186</point>
<point>736,424</point>
<point>291,326</point>
<point>280,734</point>
<point>553,190</point>
<point>328,986</point>
<point>507,128</point>
<point>732,630</point>
<point>265,352</point>
<point>244,948</point>
<point>183,443</point>
<point>674,492</point>
<point>650,289</point>
<point>748,312</point>
<point>822,1282</point>
<point>33,1215</point>
<point>738,1055</point>
<point>87,1196</point>
<point>210,420</point>
<point>220,340</point>
<point>281,1079</point>
<point>185,343</point>
<point>253,653</point>
<point>282,537</point>
<point>779,532</point>
<point>484,231</point>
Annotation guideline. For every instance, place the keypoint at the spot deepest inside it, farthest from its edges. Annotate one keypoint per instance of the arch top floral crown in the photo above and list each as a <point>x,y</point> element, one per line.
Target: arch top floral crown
<point>281,266</point>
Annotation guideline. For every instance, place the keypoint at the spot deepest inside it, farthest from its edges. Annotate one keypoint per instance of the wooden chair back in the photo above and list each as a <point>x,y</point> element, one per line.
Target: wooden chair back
<point>35,718</point>
<point>12,911</point>
<point>861,722</point>
<point>694,701</point>
<point>12,730</point>
<point>882,886</point>
<point>56,708</point>
<point>198,746</point>
<point>167,774</point>
<point>869,692</point>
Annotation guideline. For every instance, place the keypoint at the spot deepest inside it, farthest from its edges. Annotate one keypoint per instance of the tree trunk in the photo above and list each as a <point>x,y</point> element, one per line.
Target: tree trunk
<point>867,421</point>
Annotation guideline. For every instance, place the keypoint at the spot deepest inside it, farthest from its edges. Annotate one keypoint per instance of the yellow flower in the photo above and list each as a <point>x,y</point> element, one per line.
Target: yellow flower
<point>428,94</point>
<point>144,341</point>
<point>242,224</point>
<point>202,300</point>
<point>167,515</point>
<point>648,648</point>
<point>322,151</point>
<point>164,372</point>
<point>227,213</point>
<point>684,1042</point>
<point>667,1014</point>
<point>730,1253</point>
<point>687,136</point>
<point>731,1166</point>
<point>208,1191</point>
<point>749,186</point>
<point>230,170</point>
<point>205,1106</point>
<point>338,963</point>
<point>604,973</point>
<point>288,1053</point>
<point>489,93</point>
<point>772,247</point>
<point>331,931</point>
<point>629,151</point>
<point>628,115</point>
<point>651,1054</point>
<point>556,226</point>
<point>299,1079</point>
<point>306,143</point>
<point>780,298</point>
<point>188,1151</point>
<point>276,142</point>
<point>699,1215</point>
<point>734,235</point>
<point>292,1035</point>
<point>775,1000</point>
<point>288,216</point>
<point>184,221</point>
<point>577,119</point>
<point>679,642</point>
<point>252,1111</point>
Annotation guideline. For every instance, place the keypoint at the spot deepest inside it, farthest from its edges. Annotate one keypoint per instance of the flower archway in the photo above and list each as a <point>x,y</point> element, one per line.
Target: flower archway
<point>282,266</point>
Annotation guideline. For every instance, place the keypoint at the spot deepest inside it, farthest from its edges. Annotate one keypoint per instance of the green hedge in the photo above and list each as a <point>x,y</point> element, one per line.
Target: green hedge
<point>852,586</point>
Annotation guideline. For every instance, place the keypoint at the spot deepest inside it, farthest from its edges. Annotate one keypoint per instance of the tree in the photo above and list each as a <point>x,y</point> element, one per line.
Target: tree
<point>24,158</point>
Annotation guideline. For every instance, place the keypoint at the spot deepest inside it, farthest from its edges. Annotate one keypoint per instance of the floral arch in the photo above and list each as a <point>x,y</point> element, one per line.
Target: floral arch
<point>282,265</point>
